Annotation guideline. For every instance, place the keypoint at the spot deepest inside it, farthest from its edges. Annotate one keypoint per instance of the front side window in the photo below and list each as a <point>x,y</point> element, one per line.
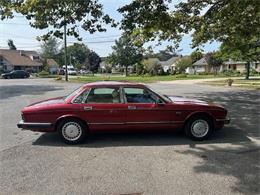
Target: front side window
<point>104,95</point>
<point>139,95</point>
<point>81,98</point>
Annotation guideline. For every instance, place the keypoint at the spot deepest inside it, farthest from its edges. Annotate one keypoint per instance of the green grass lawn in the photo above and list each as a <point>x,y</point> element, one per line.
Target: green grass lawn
<point>142,79</point>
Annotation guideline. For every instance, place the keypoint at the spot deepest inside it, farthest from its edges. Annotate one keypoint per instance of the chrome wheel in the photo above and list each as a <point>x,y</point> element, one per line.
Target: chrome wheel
<point>199,128</point>
<point>71,131</point>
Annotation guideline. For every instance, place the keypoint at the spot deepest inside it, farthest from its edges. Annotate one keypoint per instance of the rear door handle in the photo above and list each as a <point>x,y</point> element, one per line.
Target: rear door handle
<point>87,107</point>
<point>131,107</point>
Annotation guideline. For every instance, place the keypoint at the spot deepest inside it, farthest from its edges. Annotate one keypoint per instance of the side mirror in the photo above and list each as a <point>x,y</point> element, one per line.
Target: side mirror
<point>160,102</point>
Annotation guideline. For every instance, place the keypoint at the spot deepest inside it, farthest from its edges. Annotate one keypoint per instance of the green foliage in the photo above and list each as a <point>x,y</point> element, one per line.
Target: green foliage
<point>162,55</point>
<point>11,45</point>
<point>181,76</point>
<point>77,54</point>
<point>125,53</point>
<point>235,23</point>
<point>50,48</point>
<point>183,64</point>
<point>214,60</point>
<point>196,55</point>
<point>43,73</point>
<point>94,61</point>
<point>152,66</point>
<point>57,14</point>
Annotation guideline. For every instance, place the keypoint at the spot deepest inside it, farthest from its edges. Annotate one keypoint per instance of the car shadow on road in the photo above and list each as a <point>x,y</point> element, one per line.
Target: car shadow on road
<point>162,138</point>
<point>10,91</point>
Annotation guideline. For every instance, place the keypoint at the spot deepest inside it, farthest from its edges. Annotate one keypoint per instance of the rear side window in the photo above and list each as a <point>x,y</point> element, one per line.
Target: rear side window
<point>104,95</point>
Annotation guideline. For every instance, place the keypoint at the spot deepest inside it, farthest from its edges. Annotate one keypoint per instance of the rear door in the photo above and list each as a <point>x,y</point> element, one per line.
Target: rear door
<point>145,110</point>
<point>104,108</point>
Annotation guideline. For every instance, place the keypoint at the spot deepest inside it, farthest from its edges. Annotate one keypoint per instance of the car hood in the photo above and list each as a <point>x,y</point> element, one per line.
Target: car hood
<point>53,101</point>
<point>181,100</point>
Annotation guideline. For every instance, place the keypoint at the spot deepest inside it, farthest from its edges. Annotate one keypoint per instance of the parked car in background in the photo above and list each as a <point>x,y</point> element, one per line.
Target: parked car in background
<point>16,74</point>
<point>61,71</point>
<point>120,106</point>
<point>86,72</point>
<point>72,71</point>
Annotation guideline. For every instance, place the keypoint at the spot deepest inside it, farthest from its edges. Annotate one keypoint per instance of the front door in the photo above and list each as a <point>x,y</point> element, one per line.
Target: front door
<point>104,108</point>
<point>145,110</point>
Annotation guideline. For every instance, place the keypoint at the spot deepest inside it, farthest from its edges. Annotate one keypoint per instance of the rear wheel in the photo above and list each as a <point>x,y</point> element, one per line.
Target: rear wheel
<point>199,127</point>
<point>72,131</point>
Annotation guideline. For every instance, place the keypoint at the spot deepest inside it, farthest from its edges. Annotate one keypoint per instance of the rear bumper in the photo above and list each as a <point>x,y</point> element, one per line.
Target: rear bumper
<point>33,126</point>
<point>225,121</point>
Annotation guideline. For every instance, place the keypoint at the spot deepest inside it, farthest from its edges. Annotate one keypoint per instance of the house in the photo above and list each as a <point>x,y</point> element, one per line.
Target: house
<point>199,66</point>
<point>52,66</point>
<point>239,66</point>
<point>170,64</point>
<point>20,60</point>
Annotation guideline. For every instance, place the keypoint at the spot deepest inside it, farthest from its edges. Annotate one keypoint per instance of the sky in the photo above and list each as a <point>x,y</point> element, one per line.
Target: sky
<point>24,36</point>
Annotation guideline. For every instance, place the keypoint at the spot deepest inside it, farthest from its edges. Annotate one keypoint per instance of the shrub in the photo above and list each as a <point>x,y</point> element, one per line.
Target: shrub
<point>43,73</point>
<point>181,76</point>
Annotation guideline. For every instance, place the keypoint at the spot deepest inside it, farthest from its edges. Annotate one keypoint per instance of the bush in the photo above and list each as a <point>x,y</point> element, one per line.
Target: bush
<point>181,76</point>
<point>43,73</point>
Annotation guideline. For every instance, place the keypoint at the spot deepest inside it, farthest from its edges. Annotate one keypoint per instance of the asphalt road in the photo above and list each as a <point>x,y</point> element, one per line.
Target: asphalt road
<point>165,163</point>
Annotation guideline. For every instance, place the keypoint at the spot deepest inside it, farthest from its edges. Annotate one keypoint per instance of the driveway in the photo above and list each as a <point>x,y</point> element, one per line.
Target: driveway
<point>158,163</point>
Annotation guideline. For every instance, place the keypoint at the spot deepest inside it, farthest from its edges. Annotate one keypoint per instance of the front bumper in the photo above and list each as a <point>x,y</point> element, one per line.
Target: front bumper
<point>225,121</point>
<point>30,125</point>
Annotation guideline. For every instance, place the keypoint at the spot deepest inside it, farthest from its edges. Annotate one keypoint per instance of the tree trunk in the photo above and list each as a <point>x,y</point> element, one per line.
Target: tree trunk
<point>126,71</point>
<point>247,70</point>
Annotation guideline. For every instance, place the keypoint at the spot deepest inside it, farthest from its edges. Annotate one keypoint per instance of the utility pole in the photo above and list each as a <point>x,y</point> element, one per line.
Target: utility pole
<point>65,46</point>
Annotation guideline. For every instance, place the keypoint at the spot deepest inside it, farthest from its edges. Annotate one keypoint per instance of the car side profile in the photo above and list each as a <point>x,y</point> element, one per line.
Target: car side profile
<point>15,74</point>
<point>121,106</point>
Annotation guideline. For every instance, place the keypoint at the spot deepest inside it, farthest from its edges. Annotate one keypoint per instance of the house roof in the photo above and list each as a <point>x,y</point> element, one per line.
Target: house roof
<point>52,62</point>
<point>201,62</point>
<point>20,57</point>
<point>170,62</point>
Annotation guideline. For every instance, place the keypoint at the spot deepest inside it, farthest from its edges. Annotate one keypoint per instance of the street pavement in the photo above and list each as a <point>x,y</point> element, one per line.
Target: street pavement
<point>137,163</point>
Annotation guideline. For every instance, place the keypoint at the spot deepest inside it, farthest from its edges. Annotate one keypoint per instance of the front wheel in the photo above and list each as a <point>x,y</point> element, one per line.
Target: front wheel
<point>72,131</point>
<point>199,128</point>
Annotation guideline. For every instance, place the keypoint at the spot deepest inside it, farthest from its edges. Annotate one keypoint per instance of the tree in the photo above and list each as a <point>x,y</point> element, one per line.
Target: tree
<point>11,44</point>
<point>183,64</point>
<point>235,23</point>
<point>64,17</point>
<point>125,53</point>
<point>152,66</point>
<point>70,13</point>
<point>50,48</point>
<point>94,61</point>
<point>196,55</point>
<point>78,53</point>
<point>214,60</point>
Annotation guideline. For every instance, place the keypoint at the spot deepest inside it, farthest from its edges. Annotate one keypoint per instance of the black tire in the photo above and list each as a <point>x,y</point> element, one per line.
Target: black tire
<point>63,129</point>
<point>8,77</point>
<point>199,127</point>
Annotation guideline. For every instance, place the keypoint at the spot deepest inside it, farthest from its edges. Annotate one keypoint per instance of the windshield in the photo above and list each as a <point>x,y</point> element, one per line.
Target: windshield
<point>75,92</point>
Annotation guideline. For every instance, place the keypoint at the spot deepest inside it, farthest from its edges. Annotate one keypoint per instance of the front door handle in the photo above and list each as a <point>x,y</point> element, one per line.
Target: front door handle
<point>87,107</point>
<point>131,107</point>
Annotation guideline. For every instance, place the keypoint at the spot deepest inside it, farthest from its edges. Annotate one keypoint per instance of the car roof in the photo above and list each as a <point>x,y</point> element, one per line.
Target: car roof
<point>112,83</point>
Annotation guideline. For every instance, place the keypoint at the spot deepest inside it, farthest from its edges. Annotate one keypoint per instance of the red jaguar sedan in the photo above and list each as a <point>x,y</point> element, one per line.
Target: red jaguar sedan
<point>121,106</point>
